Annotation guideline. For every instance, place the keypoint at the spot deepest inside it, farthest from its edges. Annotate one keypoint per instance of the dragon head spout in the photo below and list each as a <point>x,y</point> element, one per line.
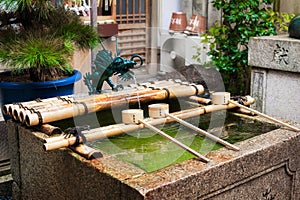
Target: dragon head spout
<point>123,66</point>
<point>106,66</point>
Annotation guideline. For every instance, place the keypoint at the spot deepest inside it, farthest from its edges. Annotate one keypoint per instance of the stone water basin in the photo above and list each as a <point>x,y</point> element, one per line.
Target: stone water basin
<point>142,165</point>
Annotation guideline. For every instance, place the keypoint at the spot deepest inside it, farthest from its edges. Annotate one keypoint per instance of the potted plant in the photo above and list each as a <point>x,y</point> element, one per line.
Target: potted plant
<point>37,42</point>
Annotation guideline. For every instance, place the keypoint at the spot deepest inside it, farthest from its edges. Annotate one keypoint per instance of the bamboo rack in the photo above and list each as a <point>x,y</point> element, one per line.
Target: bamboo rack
<point>116,129</point>
<point>54,109</point>
<point>9,109</point>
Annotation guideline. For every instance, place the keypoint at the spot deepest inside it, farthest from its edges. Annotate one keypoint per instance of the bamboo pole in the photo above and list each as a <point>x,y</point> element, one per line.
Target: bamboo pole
<point>36,118</point>
<point>20,113</point>
<point>8,108</point>
<point>244,111</point>
<point>188,149</point>
<point>17,110</point>
<point>205,133</point>
<point>80,108</point>
<point>49,129</point>
<point>63,135</point>
<point>41,104</point>
<point>265,116</point>
<point>86,136</point>
<point>160,86</point>
<point>86,151</point>
<point>23,111</point>
<point>117,129</point>
<point>89,107</point>
<point>55,139</point>
<point>201,100</point>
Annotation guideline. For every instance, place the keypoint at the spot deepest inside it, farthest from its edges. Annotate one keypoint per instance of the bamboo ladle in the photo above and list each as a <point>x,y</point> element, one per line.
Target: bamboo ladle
<point>265,116</point>
<point>162,110</point>
<point>135,116</point>
<point>219,98</point>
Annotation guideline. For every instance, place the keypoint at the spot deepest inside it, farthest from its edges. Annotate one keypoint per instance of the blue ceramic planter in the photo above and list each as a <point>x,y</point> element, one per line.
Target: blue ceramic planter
<point>19,92</point>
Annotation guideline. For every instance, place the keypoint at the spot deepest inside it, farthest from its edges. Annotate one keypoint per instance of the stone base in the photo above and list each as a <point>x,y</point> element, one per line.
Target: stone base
<point>275,80</point>
<point>5,176</point>
<point>267,167</point>
<point>4,155</point>
<point>276,93</point>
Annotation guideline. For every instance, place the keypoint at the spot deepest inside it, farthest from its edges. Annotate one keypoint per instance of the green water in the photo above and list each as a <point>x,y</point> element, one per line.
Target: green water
<point>150,151</point>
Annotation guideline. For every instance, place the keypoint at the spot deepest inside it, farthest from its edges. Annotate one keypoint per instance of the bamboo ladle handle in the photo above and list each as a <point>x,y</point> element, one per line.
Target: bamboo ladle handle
<point>205,133</point>
<point>265,116</point>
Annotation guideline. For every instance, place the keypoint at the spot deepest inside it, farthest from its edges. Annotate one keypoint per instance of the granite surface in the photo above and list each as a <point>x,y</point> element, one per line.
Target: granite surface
<point>3,141</point>
<point>267,166</point>
<point>275,52</point>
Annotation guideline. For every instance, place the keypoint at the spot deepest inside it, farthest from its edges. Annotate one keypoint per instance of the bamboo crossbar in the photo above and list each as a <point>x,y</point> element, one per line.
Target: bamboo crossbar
<point>117,129</point>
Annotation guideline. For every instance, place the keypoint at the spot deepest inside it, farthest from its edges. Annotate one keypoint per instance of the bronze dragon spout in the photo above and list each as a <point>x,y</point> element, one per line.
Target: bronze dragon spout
<point>106,66</point>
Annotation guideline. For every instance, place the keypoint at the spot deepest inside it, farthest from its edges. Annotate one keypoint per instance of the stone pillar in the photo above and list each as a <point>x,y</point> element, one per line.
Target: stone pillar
<point>214,14</point>
<point>290,6</point>
<point>201,7</point>
<point>198,7</point>
<point>275,80</point>
<point>187,7</point>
